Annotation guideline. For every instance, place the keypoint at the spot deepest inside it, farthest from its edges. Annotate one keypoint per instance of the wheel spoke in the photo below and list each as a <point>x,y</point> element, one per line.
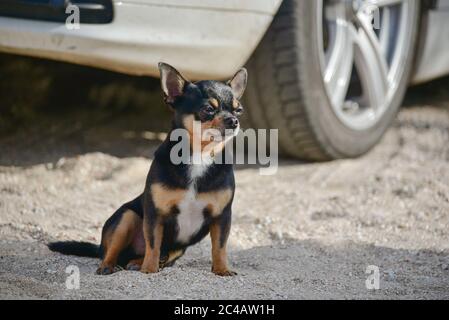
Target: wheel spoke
<point>338,71</point>
<point>383,3</point>
<point>385,31</point>
<point>371,63</point>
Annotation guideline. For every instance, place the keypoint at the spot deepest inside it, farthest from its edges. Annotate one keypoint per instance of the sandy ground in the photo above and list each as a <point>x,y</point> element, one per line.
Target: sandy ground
<point>310,231</point>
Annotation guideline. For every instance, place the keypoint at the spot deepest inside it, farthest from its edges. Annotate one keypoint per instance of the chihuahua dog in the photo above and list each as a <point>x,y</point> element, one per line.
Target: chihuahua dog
<point>181,203</point>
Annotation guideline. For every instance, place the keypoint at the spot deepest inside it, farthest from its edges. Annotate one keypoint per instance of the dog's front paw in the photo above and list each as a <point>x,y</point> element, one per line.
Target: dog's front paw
<point>133,267</point>
<point>105,270</point>
<point>149,269</point>
<point>225,273</point>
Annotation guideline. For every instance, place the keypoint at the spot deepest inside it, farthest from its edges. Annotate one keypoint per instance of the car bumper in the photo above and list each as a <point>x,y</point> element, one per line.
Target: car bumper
<point>206,42</point>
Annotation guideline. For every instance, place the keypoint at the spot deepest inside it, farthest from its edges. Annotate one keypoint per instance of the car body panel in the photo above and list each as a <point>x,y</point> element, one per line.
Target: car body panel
<point>262,6</point>
<point>433,60</point>
<point>208,39</point>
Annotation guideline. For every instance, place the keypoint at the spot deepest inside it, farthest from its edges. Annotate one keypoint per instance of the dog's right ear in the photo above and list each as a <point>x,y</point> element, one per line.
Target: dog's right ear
<point>172,82</point>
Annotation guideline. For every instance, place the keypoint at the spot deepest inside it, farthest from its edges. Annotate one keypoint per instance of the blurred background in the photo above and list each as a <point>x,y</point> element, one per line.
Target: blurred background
<point>329,75</point>
<point>53,109</point>
<point>48,104</point>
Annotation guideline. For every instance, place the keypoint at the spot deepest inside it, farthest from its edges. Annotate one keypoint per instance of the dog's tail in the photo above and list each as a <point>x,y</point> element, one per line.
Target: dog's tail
<point>75,248</point>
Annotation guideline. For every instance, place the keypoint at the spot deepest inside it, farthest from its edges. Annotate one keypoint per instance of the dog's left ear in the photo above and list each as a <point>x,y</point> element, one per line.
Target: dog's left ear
<point>172,82</point>
<point>238,83</point>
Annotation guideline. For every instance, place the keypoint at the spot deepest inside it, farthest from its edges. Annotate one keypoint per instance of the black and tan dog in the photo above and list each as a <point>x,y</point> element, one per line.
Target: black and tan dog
<point>181,203</point>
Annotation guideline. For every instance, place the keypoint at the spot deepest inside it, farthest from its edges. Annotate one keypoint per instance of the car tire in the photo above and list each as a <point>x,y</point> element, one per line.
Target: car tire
<point>287,90</point>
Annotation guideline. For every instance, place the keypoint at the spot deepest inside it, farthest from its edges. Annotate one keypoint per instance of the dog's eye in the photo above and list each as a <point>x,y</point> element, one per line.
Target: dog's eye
<point>238,111</point>
<point>209,109</point>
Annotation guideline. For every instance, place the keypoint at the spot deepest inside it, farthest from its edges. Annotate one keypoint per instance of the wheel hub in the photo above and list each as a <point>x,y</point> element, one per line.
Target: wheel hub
<point>362,57</point>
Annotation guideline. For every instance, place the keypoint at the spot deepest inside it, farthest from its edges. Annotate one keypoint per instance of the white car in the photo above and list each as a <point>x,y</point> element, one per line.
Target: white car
<point>330,74</point>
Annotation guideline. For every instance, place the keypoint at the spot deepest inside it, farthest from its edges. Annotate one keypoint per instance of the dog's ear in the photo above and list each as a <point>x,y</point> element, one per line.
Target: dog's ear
<point>238,83</point>
<point>172,82</point>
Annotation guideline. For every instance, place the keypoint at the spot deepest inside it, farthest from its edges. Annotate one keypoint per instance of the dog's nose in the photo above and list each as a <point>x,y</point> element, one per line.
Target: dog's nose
<point>231,122</point>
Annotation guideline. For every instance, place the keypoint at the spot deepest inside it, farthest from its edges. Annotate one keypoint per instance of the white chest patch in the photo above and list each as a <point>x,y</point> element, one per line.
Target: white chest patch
<point>197,170</point>
<point>191,217</point>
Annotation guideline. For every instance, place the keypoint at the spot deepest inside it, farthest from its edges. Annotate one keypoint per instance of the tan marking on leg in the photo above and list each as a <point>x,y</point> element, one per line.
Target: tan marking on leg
<point>174,255</point>
<point>209,208</point>
<point>118,239</point>
<point>164,198</point>
<point>152,254</point>
<point>219,256</point>
<point>216,200</point>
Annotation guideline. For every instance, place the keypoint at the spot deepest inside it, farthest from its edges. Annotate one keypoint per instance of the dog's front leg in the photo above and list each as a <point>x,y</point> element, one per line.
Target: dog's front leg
<point>153,231</point>
<point>219,232</point>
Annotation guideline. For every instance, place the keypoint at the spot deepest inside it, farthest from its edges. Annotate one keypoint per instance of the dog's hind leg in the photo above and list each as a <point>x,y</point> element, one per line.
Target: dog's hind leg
<point>170,259</point>
<point>117,238</point>
<point>135,264</point>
